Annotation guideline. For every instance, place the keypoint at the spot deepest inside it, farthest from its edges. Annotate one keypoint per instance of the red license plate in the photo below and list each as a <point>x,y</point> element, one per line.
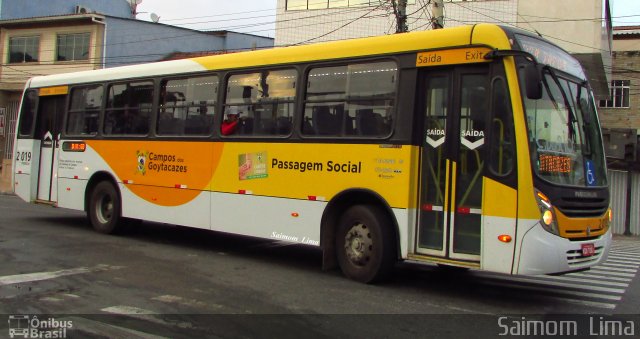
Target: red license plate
<point>588,250</point>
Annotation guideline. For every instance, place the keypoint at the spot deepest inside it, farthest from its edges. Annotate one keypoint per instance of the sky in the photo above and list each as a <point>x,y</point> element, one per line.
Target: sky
<point>258,16</point>
<point>247,16</point>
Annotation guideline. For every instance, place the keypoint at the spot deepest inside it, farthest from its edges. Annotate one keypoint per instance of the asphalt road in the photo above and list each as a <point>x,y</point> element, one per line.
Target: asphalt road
<point>166,281</point>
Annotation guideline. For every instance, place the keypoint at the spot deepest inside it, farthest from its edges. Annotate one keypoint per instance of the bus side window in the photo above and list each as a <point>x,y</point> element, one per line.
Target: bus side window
<point>262,102</point>
<point>187,106</point>
<point>502,143</point>
<point>129,108</point>
<point>84,110</point>
<point>356,100</point>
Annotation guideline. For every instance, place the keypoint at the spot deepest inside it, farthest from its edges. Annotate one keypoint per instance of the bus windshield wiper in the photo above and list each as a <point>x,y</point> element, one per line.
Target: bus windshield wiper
<point>572,115</point>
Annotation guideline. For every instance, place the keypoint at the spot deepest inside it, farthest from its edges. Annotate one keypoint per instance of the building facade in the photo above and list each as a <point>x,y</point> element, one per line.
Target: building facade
<point>41,37</point>
<point>620,120</point>
<point>582,27</point>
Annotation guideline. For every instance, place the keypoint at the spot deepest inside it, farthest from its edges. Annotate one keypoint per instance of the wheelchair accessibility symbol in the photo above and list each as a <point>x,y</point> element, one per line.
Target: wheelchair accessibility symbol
<point>591,177</point>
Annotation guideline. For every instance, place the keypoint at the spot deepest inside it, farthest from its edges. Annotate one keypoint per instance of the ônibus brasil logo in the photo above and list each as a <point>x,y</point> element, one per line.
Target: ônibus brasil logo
<point>25,326</point>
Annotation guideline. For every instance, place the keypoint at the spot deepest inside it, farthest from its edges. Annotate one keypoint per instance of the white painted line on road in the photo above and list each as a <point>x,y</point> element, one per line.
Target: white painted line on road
<point>585,302</point>
<point>593,276</point>
<point>623,261</point>
<point>588,281</point>
<point>624,253</point>
<point>174,299</point>
<point>555,291</point>
<point>598,270</point>
<point>126,310</point>
<point>136,313</point>
<point>611,264</point>
<point>612,269</point>
<point>560,284</point>
<point>29,277</point>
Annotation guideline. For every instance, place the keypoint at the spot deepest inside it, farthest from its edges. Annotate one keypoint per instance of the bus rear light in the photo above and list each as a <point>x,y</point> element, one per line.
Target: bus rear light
<point>504,238</point>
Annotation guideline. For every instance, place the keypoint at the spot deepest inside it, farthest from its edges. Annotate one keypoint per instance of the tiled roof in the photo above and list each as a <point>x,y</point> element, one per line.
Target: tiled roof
<point>626,30</point>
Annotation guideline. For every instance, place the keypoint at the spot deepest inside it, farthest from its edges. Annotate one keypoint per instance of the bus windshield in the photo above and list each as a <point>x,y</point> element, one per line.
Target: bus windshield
<point>564,138</point>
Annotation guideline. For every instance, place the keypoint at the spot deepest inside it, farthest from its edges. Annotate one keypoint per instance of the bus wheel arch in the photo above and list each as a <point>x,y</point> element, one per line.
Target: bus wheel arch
<point>103,203</point>
<point>341,204</point>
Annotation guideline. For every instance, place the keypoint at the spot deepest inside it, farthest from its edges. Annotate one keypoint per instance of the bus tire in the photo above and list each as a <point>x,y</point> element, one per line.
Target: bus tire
<point>365,244</point>
<point>104,208</point>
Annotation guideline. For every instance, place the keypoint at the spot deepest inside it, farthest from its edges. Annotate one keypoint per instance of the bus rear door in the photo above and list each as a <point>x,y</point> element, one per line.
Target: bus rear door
<point>48,128</point>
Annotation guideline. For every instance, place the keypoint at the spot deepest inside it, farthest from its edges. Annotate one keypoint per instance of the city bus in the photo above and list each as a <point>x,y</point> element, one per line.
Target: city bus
<point>476,147</point>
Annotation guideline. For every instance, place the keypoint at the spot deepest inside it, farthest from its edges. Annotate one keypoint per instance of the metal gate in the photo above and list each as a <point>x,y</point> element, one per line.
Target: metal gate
<point>618,186</point>
<point>10,129</point>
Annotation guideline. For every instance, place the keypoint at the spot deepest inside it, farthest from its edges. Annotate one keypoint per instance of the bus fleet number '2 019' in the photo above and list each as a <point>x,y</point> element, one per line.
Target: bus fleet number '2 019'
<point>23,156</point>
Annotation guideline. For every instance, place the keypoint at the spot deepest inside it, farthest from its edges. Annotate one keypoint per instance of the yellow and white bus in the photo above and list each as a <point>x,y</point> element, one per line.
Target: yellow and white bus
<point>476,147</point>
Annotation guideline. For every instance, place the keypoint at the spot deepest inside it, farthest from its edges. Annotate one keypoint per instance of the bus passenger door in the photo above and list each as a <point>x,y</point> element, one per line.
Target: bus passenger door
<point>48,127</point>
<point>452,162</point>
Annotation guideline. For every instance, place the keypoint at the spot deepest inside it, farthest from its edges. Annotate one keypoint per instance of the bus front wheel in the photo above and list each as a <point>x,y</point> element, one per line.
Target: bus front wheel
<point>365,244</point>
<point>104,208</point>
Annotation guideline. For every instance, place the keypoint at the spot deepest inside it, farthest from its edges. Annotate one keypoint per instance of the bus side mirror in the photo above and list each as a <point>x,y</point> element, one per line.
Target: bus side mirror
<point>533,81</point>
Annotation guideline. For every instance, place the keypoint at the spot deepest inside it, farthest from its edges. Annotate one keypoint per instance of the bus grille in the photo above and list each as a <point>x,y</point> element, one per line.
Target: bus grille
<point>576,259</point>
<point>582,207</point>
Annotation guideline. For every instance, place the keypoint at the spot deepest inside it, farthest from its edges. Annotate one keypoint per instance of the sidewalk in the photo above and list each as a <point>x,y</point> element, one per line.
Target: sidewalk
<point>5,178</point>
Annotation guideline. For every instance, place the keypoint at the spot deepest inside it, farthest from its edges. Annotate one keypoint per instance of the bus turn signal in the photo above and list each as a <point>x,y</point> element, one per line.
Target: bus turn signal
<point>504,238</point>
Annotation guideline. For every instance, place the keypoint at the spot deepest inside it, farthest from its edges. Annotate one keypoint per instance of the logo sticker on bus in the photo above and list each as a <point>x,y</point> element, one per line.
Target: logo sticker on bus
<point>143,158</point>
<point>252,166</point>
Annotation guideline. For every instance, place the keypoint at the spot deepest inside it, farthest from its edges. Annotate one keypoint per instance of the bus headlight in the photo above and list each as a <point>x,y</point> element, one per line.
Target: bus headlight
<point>547,217</point>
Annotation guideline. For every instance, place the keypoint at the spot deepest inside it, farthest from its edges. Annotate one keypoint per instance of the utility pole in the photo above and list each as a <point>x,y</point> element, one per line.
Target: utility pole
<point>401,17</point>
<point>437,8</point>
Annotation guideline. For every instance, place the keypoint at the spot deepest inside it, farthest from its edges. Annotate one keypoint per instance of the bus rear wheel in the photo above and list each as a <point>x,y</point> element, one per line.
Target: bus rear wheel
<point>365,244</point>
<point>104,208</point>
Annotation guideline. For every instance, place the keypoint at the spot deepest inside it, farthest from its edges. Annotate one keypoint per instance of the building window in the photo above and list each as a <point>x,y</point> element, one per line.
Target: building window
<point>619,95</point>
<point>297,5</point>
<point>23,49</point>
<point>73,47</point>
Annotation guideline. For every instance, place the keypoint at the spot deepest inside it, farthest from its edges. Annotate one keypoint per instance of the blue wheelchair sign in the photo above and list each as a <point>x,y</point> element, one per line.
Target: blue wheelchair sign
<point>590,173</point>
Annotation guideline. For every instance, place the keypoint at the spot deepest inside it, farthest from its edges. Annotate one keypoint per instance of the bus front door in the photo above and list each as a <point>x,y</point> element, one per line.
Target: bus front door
<point>452,163</point>
<point>48,126</point>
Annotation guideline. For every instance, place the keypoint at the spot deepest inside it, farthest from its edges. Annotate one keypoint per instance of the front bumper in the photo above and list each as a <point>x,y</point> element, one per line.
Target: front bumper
<point>544,253</point>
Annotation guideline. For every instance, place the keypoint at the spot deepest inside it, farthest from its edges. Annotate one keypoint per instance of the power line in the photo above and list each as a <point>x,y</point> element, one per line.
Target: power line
<point>341,27</point>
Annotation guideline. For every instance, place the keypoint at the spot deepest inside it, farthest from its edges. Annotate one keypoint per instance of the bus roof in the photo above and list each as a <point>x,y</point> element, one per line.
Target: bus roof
<point>481,34</point>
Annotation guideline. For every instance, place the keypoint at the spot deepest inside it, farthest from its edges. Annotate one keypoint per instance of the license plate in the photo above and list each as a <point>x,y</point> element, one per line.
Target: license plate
<point>588,250</point>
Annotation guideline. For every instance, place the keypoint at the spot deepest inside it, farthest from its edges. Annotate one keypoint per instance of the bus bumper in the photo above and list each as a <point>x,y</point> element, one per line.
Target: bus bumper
<point>545,253</point>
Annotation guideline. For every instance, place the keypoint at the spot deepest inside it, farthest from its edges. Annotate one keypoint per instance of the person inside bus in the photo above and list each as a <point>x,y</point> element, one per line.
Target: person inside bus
<point>231,121</point>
